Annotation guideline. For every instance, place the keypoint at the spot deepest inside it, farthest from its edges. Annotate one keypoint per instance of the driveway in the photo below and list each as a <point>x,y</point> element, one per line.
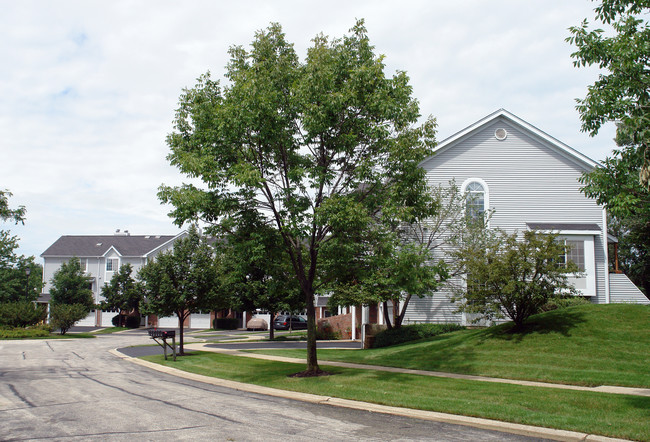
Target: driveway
<point>76,390</point>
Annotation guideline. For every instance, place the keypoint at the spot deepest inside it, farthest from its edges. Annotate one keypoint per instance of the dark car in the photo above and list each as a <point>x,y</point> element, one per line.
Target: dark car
<point>286,322</point>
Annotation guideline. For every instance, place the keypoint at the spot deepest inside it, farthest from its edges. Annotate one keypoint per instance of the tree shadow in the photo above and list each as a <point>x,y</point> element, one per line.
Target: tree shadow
<point>560,321</point>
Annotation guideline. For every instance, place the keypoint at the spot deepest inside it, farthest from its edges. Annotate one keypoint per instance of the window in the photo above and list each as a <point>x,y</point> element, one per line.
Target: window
<point>475,203</point>
<point>111,265</point>
<point>83,265</point>
<point>575,253</point>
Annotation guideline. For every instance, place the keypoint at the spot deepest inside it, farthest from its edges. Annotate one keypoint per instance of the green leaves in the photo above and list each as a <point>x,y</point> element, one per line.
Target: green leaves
<point>70,285</point>
<point>510,276</point>
<point>622,93</point>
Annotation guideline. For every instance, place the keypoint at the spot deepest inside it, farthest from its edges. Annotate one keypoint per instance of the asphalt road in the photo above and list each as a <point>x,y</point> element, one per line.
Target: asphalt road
<point>77,390</point>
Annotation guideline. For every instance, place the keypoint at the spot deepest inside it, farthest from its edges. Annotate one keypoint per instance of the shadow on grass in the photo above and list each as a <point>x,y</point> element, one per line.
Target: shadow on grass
<point>560,321</point>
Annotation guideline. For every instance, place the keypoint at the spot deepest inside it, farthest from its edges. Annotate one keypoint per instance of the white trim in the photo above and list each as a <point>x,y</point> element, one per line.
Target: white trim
<point>113,249</point>
<point>564,149</point>
<point>572,232</point>
<point>590,262</point>
<point>606,253</point>
<point>486,193</point>
<point>180,235</point>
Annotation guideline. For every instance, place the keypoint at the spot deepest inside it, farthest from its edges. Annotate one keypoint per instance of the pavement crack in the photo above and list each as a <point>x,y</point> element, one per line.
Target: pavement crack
<point>20,396</point>
<point>110,433</point>
<point>172,404</point>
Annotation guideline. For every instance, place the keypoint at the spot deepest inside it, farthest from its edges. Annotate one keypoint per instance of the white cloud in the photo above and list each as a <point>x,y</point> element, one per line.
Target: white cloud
<point>89,88</point>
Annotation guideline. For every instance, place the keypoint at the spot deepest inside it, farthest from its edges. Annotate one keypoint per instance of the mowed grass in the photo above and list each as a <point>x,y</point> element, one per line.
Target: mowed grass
<point>585,345</point>
<point>589,412</point>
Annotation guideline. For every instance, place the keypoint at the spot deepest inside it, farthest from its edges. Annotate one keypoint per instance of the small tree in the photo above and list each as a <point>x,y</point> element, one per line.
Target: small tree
<point>64,316</point>
<point>70,285</point>
<point>181,281</point>
<point>123,292</point>
<point>508,276</point>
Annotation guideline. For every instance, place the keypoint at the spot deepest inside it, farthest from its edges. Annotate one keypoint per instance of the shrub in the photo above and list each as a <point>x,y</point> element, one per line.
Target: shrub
<point>116,320</point>
<point>39,331</point>
<point>21,314</point>
<point>412,333</point>
<point>133,321</point>
<point>569,301</point>
<point>226,323</point>
<point>64,316</point>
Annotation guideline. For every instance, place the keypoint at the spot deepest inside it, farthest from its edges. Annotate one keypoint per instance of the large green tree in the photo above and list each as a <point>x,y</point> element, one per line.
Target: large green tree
<point>616,185</point>
<point>15,282</point>
<point>70,285</point>
<point>181,281</point>
<point>312,144</point>
<point>622,91</point>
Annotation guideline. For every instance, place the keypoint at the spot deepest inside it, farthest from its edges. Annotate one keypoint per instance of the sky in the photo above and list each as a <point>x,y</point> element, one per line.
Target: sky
<point>88,89</point>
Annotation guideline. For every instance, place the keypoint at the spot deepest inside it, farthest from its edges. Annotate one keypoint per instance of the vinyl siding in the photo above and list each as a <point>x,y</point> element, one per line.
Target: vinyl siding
<point>622,290</point>
<point>528,180</point>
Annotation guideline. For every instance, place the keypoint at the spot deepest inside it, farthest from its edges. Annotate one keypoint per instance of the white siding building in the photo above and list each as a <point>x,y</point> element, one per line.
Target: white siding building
<point>529,180</point>
<point>101,256</point>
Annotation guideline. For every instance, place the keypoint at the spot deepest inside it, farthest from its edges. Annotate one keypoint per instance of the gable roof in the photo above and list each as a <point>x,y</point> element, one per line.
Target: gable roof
<point>84,246</point>
<point>541,136</point>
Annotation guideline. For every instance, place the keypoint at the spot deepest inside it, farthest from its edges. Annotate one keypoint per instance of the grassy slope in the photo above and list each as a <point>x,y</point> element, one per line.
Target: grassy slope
<point>589,412</point>
<point>585,345</point>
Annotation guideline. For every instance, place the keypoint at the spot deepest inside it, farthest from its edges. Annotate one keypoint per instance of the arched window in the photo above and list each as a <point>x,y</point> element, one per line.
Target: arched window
<point>475,202</point>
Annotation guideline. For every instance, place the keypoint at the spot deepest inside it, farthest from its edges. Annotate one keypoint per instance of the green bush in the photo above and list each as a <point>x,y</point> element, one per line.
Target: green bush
<point>39,331</point>
<point>133,321</point>
<point>412,332</point>
<point>64,316</point>
<point>21,314</point>
<point>569,301</point>
<point>226,323</point>
<point>116,320</point>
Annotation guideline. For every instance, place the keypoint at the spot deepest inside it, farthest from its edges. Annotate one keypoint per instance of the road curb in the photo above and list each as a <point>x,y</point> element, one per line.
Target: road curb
<point>487,424</point>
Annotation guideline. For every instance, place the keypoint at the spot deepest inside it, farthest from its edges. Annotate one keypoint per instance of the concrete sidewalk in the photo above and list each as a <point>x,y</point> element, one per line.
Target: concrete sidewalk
<point>489,424</point>
<point>600,389</point>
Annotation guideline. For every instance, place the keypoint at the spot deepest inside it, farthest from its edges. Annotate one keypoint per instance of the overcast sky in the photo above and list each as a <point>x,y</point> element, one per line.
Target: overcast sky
<point>88,88</point>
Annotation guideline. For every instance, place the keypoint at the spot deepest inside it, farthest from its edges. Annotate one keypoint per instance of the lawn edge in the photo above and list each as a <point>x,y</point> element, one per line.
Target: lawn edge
<point>487,424</point>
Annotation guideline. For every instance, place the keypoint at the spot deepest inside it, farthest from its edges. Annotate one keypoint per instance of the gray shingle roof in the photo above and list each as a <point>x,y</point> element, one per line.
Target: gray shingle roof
<point>97,245</point>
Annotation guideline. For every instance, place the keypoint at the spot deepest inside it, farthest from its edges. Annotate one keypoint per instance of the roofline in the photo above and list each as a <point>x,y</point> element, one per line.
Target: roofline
<point>146,255</point>
<point>566,150</point>
<point>114,249</point>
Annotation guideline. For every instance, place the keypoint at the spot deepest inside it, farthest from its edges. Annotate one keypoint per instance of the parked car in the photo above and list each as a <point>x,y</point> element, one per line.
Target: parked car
<point>286,322</point>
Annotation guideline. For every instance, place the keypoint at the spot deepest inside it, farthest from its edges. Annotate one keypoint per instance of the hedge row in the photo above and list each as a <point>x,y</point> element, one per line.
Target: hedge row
<point>412,332</point>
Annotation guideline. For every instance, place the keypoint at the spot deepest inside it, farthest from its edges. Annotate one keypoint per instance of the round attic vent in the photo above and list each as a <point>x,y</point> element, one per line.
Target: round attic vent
<point>500,134</point>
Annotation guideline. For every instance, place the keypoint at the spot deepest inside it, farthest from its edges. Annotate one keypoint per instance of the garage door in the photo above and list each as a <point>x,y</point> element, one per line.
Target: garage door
<point>168,322</point>
<point>199,320</point>
<point>88,321</point>
<point>107,317</point>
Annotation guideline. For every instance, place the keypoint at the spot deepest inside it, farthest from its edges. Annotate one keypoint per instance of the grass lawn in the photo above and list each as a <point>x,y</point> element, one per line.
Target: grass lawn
<point>586,345</point>
<point>589,412</point>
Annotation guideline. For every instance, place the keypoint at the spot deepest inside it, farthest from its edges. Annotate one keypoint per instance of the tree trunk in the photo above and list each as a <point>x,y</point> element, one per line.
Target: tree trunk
<point>271,334</point>
<point>402,312</point>
<point>181,320</point>
<point>312,361</point>
<point>387,316</point>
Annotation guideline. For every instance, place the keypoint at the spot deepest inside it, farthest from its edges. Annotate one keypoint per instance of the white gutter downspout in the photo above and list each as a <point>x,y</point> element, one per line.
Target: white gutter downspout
<point>606,252</point>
